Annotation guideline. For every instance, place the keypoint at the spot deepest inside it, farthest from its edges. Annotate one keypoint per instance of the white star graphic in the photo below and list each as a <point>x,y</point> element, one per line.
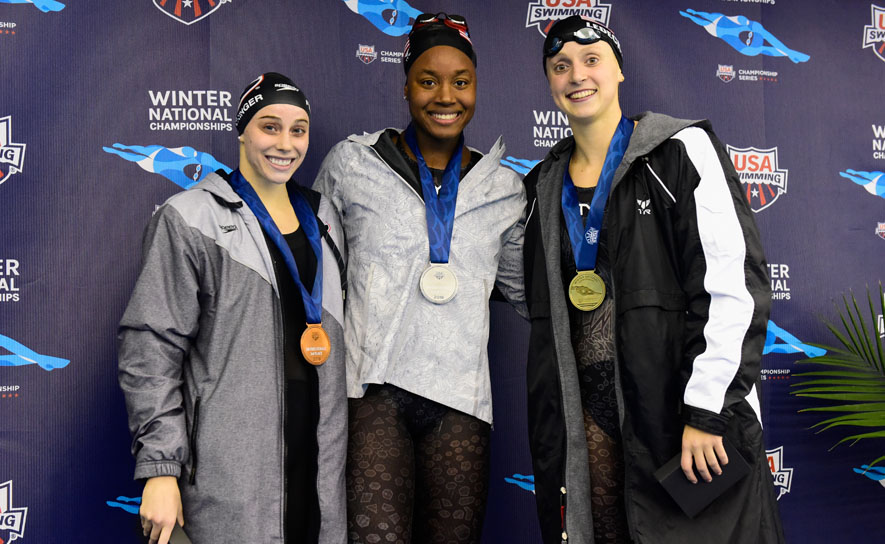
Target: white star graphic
<point>754,192</point>
<point>187,3</point>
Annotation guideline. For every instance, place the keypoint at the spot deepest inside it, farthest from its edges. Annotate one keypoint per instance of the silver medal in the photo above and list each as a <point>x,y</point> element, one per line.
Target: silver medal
<point>438,283</point>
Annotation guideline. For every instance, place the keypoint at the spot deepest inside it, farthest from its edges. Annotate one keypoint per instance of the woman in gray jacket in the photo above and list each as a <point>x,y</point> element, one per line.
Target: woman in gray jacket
<point>431,226</point>
<point>231,349</point>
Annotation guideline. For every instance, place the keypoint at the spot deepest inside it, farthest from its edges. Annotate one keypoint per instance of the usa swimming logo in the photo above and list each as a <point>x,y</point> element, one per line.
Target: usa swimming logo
<point>783,476</point>
<point>543,13</point>
<point>745,36</point>
<point>764,181</point>
<point>725,72</point>
<point>366,53</point>
<point>874,34</point>
<point>189,11</point>
<point>12,155</point>
<point>12,519</point>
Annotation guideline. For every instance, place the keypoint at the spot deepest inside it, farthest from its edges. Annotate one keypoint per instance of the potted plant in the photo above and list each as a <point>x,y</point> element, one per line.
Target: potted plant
<point>852,381</point>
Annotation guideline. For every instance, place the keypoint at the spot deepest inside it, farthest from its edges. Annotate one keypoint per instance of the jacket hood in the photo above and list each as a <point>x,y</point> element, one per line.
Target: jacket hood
<point>219,187</point>
<point>651,130</point>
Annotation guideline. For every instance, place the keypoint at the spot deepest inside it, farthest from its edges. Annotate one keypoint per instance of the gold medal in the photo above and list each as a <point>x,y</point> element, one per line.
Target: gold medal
<point>315,345</point>
<point>586,290</point>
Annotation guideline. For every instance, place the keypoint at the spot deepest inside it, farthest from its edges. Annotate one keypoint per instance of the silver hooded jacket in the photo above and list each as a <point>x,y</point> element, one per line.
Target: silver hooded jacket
<point>393,334</point>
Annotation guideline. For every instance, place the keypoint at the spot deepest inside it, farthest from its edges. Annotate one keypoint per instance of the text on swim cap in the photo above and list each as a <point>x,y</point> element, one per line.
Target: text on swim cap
<point>249,103</point>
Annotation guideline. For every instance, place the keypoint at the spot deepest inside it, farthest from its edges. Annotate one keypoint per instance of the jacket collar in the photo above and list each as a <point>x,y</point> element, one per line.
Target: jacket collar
<point>483,168</point>
<point>220,189</point>
<point>218,185</point>
<point>652,129</point>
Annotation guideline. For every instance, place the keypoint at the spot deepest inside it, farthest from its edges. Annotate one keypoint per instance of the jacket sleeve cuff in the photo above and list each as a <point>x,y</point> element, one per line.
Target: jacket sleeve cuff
<point>709,422</point>
<point>151,469</point>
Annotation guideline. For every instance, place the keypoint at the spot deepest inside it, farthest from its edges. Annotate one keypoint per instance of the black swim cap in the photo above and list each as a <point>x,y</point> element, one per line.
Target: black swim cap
<point>267,89</point>
<point>584,31</point>
<point>432,29</point>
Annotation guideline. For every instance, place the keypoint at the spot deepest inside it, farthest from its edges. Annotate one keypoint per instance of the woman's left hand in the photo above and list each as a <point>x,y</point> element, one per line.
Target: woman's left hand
<point>705,451</point>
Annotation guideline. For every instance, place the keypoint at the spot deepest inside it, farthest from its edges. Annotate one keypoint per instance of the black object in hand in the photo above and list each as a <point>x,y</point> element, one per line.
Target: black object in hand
<point>693,498</point>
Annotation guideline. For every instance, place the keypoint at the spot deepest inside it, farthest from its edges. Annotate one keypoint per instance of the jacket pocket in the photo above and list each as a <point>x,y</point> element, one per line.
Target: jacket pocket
<point>674,301</point>
<point>192,439</point>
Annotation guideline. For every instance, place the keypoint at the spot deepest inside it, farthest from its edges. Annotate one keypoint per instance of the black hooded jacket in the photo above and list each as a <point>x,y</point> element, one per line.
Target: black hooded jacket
<point>692,297</point>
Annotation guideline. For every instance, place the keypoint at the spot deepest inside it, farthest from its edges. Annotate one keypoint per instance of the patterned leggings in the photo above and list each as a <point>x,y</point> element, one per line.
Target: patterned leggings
<point>593,342</point>
<point>417,471</point>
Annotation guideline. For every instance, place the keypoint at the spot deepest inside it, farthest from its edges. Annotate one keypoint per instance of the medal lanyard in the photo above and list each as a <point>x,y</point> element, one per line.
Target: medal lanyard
<point>313,299</point>
<point>585,239</point>
<point>440,206</point>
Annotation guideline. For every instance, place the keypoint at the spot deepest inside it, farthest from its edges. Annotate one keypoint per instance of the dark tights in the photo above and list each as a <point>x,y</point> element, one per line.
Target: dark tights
<point>417,471</point>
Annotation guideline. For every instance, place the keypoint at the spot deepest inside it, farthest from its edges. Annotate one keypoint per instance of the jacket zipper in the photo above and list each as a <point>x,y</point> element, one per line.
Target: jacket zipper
<point>282,378</point>
<point>283,415</point>
<point>562,501</point>
<point>192,478</point>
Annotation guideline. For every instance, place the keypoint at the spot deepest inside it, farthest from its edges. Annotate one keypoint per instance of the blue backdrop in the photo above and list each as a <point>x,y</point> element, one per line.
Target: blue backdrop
<point>107,108</point>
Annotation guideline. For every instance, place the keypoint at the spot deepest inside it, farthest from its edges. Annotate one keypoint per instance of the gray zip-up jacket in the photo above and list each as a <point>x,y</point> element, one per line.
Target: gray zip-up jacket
<point>393,334</point>
<point>201,367</point>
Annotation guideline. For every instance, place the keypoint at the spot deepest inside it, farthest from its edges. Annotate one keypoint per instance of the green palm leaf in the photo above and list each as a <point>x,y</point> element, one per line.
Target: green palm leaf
<point>869,407</point>
<point>853,373</point>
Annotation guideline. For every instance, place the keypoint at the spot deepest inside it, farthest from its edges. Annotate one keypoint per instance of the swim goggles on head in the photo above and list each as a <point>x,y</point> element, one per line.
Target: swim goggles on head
<point>584,36</point>
<point>449,19</point>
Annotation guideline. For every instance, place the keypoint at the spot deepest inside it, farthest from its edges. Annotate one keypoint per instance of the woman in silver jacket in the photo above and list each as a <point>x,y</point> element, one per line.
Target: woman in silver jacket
<point>431,227</point>
<point>238,434</point>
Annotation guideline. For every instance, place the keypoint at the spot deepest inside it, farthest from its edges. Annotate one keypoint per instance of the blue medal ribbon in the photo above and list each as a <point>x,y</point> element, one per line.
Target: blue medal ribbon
<point>313,299</point>
<point>585,238</point>
<point>440,206</point>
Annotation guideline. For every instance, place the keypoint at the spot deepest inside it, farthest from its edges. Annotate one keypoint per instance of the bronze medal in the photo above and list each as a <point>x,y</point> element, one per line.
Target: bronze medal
<point>586,290</point>
<point>315,345</point>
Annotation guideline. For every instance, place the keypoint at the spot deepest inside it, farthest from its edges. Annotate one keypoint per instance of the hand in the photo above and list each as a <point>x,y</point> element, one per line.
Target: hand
<point>160,508</point>
<point>706,450</point>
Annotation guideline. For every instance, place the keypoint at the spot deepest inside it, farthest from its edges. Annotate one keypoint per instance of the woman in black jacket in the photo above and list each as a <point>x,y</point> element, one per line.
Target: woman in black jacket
<point>649,298</point>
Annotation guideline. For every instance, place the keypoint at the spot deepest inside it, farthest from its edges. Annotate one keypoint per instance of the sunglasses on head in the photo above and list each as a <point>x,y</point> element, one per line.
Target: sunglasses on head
<point>584,36</point>
<point>449,19</point>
